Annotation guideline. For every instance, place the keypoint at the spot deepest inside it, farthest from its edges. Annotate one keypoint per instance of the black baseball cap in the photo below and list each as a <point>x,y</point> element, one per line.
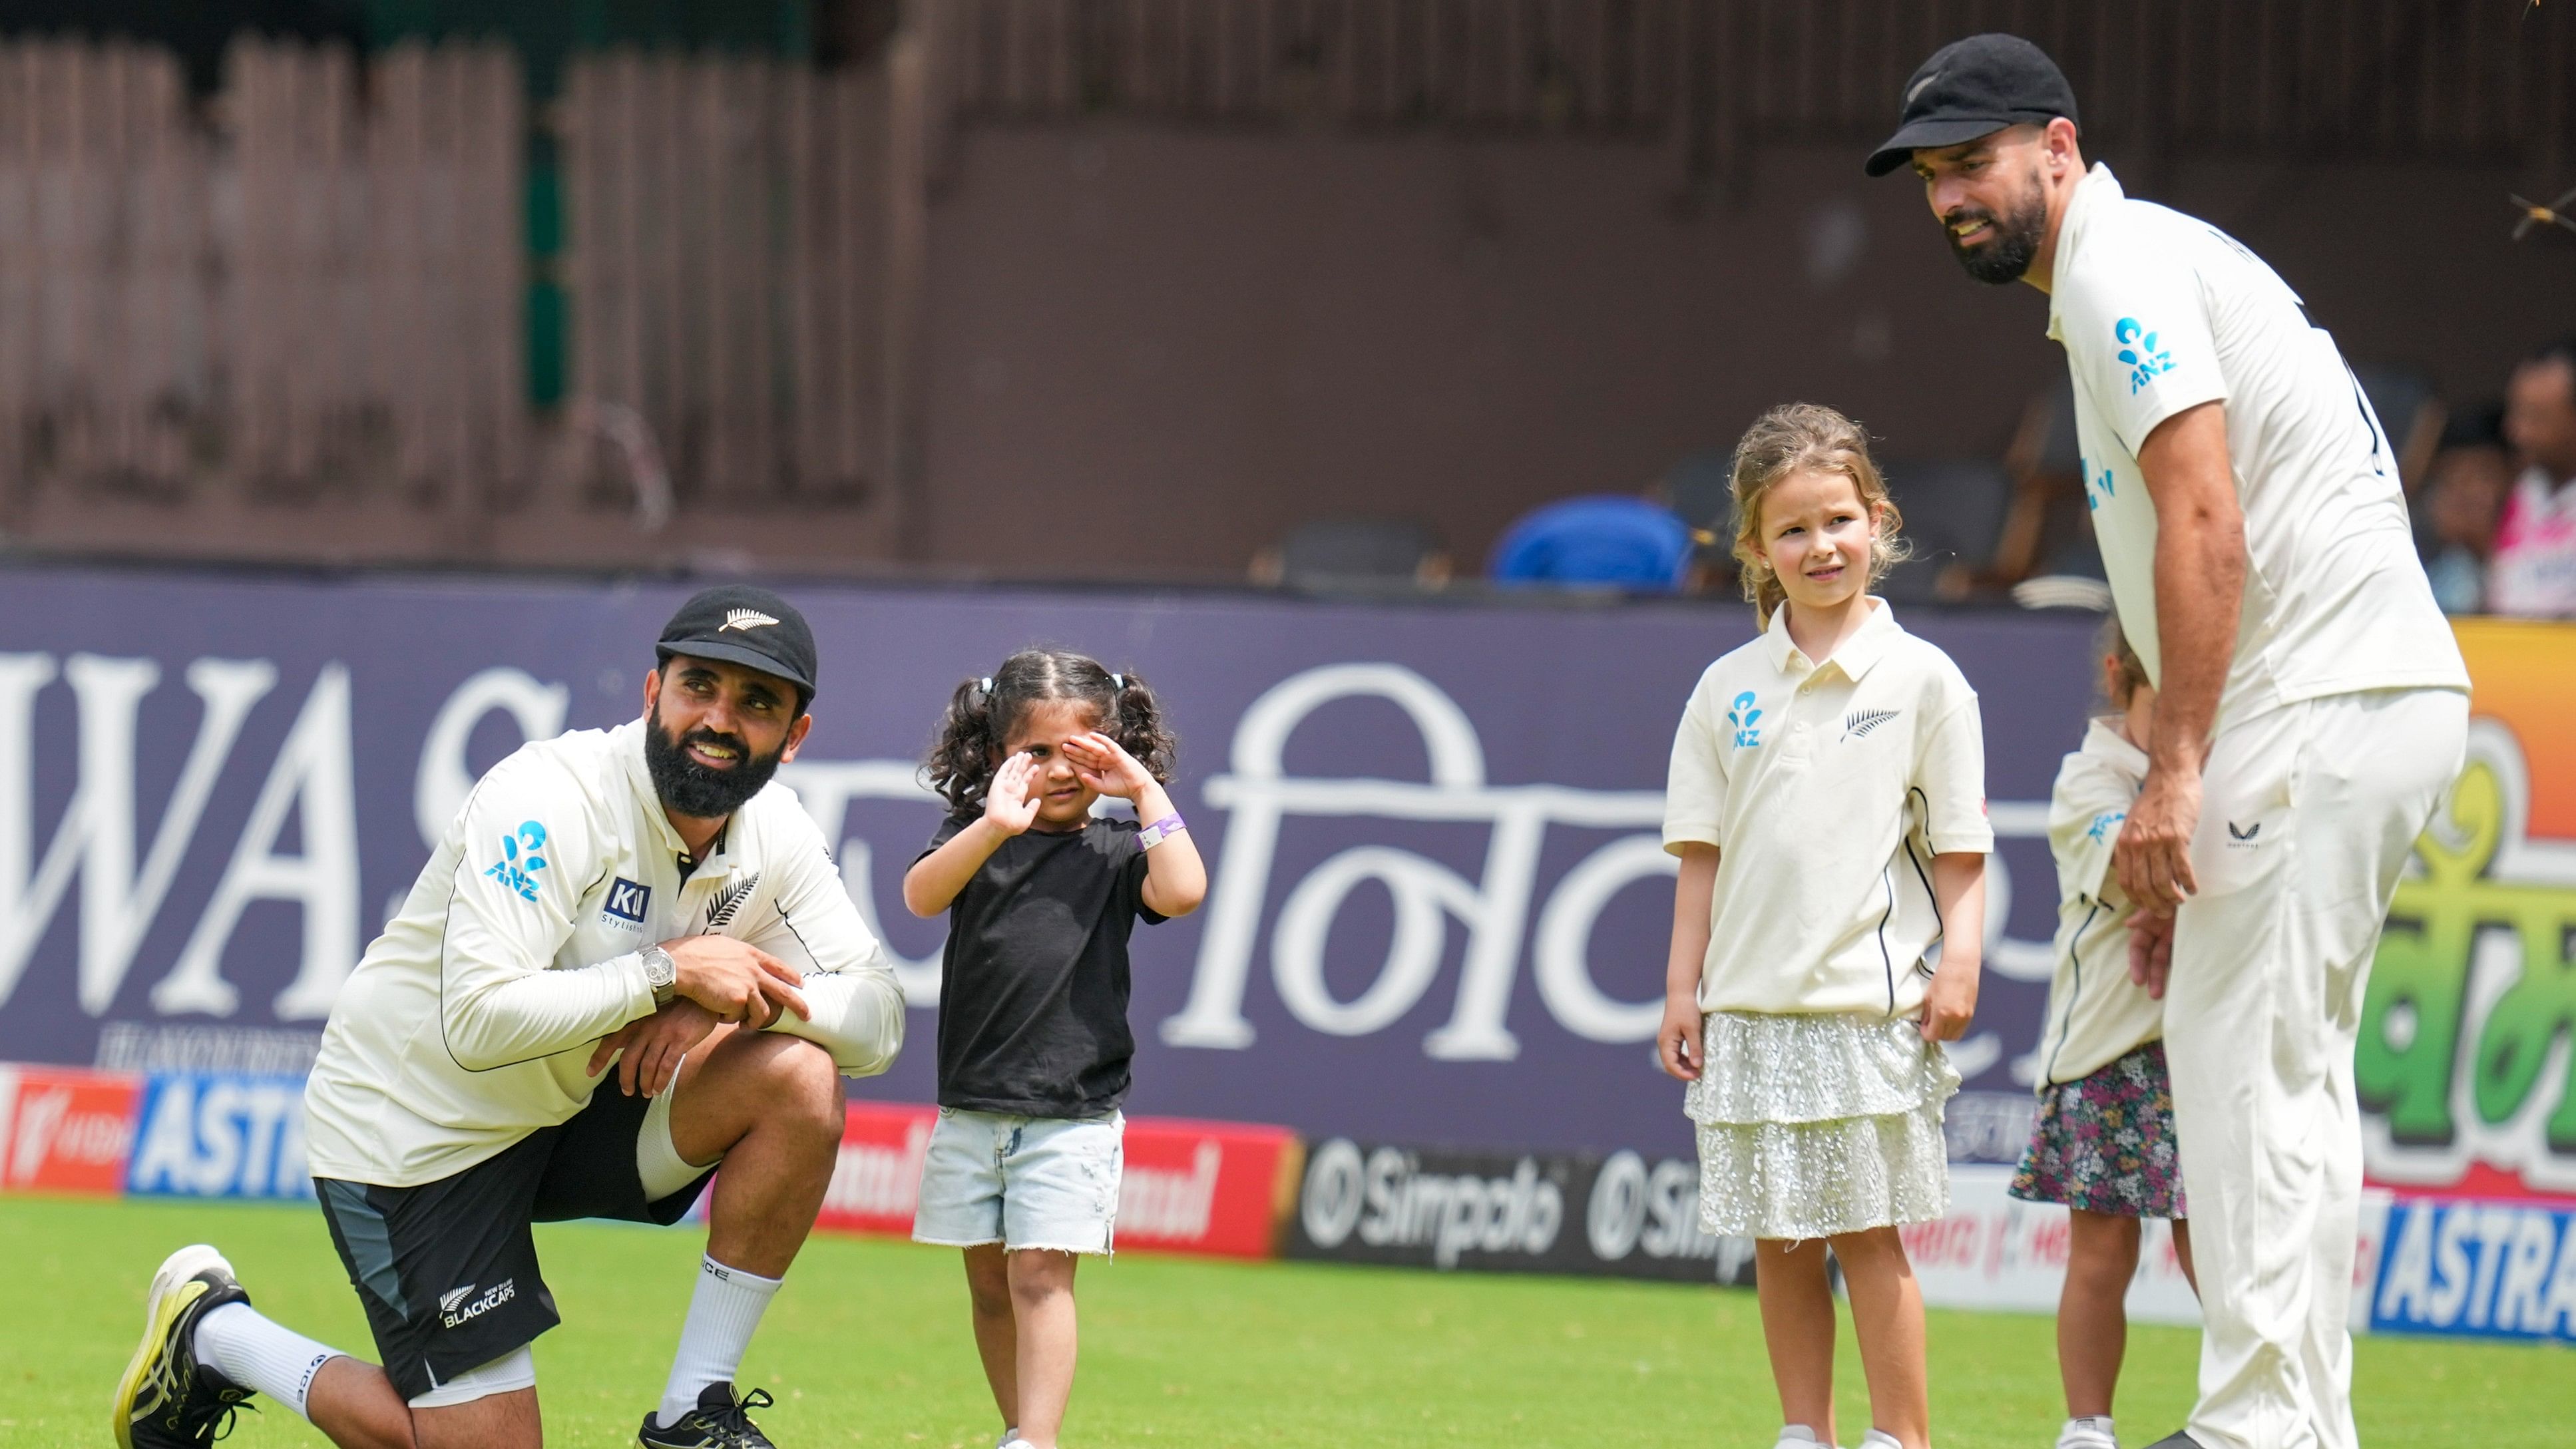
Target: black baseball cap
<point>745,625</point>
<point>1975,87</point>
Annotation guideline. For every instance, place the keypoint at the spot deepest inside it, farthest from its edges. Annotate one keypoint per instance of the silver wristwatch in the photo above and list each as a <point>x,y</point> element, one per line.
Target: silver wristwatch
<point>661,973</point>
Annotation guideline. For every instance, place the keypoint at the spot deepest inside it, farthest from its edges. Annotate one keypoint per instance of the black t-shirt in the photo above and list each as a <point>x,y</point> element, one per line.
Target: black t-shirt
<point>1033,999</point>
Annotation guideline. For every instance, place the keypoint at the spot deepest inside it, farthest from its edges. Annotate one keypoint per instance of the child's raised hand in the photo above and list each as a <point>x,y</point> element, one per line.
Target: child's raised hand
<point>1011,799</point>
<point>1105,766</point>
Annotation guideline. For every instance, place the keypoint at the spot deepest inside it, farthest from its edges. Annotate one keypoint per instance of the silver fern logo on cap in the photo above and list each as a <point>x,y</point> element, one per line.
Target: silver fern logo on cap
<point>744,619</point>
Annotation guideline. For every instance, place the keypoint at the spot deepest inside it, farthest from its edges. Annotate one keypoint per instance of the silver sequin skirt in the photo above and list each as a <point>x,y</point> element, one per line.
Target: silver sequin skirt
<point>1813,1125</point>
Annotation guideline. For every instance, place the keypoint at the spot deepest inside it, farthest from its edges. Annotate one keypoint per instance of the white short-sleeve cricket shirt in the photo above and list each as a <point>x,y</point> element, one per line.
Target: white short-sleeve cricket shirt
<point>1827,789</point>
<point>2096,1015</point>
<point>2160,312</point>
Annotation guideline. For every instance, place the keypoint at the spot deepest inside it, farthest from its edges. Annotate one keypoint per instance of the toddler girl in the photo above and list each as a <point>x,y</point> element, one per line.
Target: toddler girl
<point>2103,1142</point>
<point>1022,1169</point>
<point>1827,801</point>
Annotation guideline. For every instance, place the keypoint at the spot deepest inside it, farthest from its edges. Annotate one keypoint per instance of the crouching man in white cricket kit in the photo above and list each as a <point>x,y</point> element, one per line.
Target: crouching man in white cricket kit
<point>641,899</point>
<point>2312,706</point>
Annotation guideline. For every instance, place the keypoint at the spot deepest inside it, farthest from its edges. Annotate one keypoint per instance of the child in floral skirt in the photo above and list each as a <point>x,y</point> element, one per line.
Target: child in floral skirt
<point>2103,1142</point>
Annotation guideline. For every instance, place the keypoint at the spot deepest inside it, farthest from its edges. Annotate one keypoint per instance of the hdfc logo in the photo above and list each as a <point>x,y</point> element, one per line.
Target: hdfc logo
<point>63,1130</point>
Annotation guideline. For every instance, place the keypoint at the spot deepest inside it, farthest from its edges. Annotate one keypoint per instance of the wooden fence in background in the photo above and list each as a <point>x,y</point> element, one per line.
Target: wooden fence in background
<point>297,291</point>
<point>307,294</point>
<point>743,260</point>
<point>2484,80</point>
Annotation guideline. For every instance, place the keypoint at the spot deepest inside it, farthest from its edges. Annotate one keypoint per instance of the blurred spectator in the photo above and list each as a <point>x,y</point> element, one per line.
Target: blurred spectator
<point>2463,496</point>
<point>1658,542</point>
<point>1606,540</point>
<point>2534,570</point>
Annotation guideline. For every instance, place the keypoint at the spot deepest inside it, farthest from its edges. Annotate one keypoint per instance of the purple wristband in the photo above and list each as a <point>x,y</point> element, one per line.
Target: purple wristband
<point>1160,831</point>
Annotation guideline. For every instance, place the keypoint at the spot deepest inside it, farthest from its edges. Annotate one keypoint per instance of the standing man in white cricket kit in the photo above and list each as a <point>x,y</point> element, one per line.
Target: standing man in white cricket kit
<point>2311,704</point>
<point>640,897</point>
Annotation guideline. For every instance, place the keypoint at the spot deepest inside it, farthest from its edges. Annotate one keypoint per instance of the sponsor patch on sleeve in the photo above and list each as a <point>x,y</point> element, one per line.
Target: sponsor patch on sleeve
<point>520,861</point>
<point>626,901</point>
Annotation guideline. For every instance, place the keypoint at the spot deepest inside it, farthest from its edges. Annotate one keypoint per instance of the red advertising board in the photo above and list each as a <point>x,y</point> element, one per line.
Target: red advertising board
<point>65,1130</point>
<point>1189,1187</point>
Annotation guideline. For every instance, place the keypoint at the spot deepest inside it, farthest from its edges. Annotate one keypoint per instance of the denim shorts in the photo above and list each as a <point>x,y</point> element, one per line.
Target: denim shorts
<point>1022,1182</point>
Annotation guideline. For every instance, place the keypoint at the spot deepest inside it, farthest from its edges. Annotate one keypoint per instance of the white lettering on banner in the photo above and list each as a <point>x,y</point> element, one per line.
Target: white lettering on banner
<point>871,1179</point>
<point>96,833</point>
<point>1259,795</point>
<point>2471,1267</point>
<point>47,1127</point>
<point>313,777</point>
<point>445,777</point>
<point>1156,1202</point>
<point>826,788</point>
<point>1656,1210</point>
<point>222,1137</point>
<point>1406,1207</point>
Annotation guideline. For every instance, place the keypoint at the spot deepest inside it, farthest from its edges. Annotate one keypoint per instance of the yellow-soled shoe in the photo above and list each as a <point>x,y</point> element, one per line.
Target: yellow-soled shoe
<point>166,1400</point>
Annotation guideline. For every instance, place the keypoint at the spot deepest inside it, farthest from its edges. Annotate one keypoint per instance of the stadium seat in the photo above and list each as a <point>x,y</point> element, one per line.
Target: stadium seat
<point>1363,554</point>
<point>1954,512</point>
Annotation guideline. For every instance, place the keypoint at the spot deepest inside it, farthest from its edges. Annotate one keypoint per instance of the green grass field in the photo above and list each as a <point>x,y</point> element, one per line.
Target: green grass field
<point>868,1346</point>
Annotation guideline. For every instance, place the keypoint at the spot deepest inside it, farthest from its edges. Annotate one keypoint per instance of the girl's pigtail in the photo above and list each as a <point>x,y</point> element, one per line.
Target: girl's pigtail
<point>961,763</point>
<point>1141,730</point>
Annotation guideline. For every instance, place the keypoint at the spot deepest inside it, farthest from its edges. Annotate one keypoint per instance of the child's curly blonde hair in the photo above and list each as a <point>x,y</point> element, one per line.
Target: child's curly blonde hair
<point>1806,437</point>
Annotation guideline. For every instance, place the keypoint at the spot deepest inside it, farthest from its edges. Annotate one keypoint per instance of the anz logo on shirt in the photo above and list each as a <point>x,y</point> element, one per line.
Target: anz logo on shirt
<point>1744,717</point>
<point>2093,500</point>
<point>2146,361</point>
<point>517,868</point>
<point>2103,822</point>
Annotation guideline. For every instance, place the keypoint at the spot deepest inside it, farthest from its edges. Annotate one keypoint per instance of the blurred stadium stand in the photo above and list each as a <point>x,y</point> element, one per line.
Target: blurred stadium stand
<point>1954,513</point>
<point>982,284</point>
<point>1355,555</point>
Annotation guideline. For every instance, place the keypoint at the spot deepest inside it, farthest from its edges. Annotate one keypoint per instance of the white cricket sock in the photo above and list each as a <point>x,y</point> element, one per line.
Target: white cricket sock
<point>2087,1428</point>
<point>1880,1439</point>
<point>257,1354</point>
<point>722,1314</point>
<point>1798,1434</point>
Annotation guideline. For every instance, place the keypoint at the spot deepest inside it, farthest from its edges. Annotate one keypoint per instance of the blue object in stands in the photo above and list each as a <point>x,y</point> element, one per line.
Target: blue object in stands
<point>1611,540</point>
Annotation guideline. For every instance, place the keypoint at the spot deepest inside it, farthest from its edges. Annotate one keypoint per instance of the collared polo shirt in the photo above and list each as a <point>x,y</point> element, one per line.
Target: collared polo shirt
<point>2160,312</point>
<point>2096,1015</point>
<point>1827,789</point>
<point>469,1023</point>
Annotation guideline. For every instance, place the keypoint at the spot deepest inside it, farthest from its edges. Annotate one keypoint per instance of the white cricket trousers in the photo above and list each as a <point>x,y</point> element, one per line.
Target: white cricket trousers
<point>2307,815</point>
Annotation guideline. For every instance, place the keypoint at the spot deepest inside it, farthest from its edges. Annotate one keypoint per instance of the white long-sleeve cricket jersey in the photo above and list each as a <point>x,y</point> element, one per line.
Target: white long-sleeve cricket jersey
<point>470,1022</point>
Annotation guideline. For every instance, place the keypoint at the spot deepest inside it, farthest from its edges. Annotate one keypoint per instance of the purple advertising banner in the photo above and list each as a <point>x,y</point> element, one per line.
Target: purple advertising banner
<point>1439,910</point>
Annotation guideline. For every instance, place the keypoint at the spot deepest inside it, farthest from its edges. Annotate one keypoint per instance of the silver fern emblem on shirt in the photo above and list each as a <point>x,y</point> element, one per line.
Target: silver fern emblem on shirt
<point>1861,722</point>
<point>721,907</point>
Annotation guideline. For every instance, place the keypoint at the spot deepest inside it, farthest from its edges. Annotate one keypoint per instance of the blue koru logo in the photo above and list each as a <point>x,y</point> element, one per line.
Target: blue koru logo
<point>517,868</point>
<point>2103,822</point>
<point>2097,485</point>
<point>1744,717</point>
<point>2139,349</point>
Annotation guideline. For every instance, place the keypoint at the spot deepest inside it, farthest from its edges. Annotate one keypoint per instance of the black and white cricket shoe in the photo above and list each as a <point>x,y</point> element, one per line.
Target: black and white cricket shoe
<point>167,1400</point>
<point>720,1421</point>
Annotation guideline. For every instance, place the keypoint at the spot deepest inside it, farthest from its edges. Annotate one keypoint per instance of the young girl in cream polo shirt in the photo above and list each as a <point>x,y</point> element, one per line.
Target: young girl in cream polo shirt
<point>1827,800</point>
<point>2103,1140</point>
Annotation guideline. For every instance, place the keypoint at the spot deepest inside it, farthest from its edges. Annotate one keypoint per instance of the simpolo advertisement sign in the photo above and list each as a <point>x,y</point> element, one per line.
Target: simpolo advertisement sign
<point>1530,1212</point>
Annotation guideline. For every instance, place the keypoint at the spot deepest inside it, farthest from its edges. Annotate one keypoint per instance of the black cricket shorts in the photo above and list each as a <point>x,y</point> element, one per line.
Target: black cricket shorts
<point>448,1270</point>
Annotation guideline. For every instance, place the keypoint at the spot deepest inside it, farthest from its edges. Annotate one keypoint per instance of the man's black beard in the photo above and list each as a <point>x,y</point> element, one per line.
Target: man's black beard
<point>2016,239</point>
<point>693,789</point>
